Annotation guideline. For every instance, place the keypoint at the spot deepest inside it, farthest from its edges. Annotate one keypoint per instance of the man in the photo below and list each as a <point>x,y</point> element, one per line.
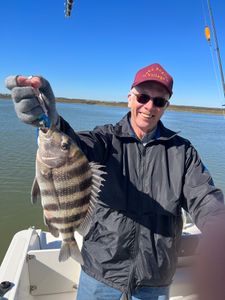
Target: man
<point>131,248</point>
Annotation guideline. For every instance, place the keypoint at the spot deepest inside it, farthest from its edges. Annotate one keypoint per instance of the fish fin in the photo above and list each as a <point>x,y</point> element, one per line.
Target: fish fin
<point>35,191</point>
<point>46,173</point>
<point>54,231</point>
<point>70,249</point>
<point>84,226</point>
<point>97,180</point>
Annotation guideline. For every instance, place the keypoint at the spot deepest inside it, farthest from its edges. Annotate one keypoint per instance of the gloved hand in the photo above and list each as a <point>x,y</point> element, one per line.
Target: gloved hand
<point>27,106</point>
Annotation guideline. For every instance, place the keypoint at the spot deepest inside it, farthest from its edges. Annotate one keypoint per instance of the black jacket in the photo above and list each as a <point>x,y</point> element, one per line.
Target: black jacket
<point>136,229</point>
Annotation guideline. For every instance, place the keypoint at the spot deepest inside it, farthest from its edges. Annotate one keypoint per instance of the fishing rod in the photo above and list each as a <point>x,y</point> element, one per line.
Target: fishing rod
<point>207,34</point>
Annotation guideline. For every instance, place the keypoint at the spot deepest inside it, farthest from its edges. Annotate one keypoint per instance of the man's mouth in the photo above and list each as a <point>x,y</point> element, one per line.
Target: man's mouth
<point>147,116</point>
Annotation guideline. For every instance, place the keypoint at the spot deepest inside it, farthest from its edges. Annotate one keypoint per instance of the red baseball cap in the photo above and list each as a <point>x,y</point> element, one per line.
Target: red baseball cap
<point>154,72</point>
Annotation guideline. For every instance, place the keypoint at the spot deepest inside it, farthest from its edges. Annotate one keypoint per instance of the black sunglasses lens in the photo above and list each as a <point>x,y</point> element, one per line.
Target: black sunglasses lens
<point>142,98</point>
<point>159,102</point>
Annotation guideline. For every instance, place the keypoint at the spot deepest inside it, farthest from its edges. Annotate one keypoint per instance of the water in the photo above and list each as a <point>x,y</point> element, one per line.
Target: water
<point>18,148</point>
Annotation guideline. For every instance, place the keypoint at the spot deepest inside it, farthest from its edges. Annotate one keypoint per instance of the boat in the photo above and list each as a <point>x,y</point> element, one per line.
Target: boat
<point>30,269</point>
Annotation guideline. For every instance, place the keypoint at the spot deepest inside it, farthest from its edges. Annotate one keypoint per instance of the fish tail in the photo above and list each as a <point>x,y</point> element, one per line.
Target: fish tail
<point>70,249</point>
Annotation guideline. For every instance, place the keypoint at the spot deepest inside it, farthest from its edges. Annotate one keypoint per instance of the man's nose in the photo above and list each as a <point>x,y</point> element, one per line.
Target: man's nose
<point>149,105</point>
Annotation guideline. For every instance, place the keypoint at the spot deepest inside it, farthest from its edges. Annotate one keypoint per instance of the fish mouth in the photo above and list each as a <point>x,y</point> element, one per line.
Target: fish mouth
<point>46,133</point>
<point>46,158</point>
<point>52,161</point>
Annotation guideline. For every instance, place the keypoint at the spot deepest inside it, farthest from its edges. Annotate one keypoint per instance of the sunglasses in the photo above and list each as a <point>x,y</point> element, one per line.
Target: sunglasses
<point>157,101</point>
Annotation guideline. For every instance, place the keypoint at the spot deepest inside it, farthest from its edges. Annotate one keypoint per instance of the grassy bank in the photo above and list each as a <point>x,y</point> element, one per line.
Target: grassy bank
<point>195,109</point>
<point>181,108</point>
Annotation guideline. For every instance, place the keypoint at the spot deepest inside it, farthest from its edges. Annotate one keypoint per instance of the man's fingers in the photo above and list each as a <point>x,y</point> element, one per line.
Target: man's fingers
<point>36,82</point>
<point>23,81</point>
<point>20,81</point>
<point>29,118</point>
<point>46,89</point>
<point>33,81</point>
<point>10,82</point>
<point>29,106</point>
<point>19,93</point>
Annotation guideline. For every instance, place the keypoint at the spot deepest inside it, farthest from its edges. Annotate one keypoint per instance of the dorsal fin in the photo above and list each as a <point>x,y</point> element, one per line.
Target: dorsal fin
<point>97,180</point>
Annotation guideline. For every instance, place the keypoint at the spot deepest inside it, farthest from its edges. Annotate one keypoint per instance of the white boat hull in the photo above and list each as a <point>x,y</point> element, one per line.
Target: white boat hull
<point>31,265</point>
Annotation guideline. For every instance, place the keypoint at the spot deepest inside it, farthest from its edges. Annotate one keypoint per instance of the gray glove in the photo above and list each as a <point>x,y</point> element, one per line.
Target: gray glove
<point>27,106</point>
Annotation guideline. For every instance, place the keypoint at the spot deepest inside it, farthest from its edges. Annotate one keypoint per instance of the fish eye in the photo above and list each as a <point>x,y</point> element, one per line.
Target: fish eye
<point>65,146</point>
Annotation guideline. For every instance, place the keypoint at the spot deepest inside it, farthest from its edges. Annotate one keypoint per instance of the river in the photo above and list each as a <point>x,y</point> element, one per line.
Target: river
<point>18,147</point>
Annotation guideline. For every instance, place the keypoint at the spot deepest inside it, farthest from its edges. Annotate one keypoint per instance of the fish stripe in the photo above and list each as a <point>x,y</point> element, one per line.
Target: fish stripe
<point>82,186</point>
<point>69,240</point>
<point>68,205</point>
<point>67,230</point>
<point>69,219</point>
<point>78,158</point>
<point>67,225</point>
<point>66,198</point>
<point>76,171</point>
<point>60,213</point>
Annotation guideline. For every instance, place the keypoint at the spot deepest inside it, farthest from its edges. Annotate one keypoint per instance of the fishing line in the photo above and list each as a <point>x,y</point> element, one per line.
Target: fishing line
<point>210,45</point>
<point>216,70</point>
<point>217,50</point>
<point>212,48</point>
<point>204,13</point>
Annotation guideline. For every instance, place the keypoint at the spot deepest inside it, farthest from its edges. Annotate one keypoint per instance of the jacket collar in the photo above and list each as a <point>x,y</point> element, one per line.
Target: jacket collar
<point>123,129</point>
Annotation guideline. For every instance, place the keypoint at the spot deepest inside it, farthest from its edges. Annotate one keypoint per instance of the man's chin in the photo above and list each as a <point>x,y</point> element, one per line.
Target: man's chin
<point>146,128</point>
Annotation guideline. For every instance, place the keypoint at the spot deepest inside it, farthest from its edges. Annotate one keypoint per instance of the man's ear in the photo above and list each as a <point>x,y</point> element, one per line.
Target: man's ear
<point>167,105</point>
<point>129,100</point>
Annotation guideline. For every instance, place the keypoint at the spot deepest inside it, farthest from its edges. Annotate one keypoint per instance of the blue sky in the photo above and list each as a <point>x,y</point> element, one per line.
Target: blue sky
<point>96,52</point>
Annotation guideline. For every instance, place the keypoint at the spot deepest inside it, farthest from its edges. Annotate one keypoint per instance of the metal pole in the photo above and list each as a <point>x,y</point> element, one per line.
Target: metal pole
<point>217,47</point>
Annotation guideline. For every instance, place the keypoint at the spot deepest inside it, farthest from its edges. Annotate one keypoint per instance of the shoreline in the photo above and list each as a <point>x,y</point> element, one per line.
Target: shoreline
<point>179,108</point>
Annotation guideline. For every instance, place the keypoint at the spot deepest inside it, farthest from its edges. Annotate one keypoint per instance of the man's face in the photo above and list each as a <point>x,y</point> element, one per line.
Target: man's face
<point>144,117</point>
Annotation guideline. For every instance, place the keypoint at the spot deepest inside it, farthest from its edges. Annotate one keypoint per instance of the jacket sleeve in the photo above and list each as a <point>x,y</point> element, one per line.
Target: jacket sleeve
<point>95,144</point>
<point>202,199</point>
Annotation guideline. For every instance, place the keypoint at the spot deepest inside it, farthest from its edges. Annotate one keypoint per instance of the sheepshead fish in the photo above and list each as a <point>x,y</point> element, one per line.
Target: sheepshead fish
<point>68,185</point>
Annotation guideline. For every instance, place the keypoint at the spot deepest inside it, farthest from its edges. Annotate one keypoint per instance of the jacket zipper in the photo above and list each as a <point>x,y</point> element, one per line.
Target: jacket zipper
<point>134,253</point>
<point>135,250</point>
